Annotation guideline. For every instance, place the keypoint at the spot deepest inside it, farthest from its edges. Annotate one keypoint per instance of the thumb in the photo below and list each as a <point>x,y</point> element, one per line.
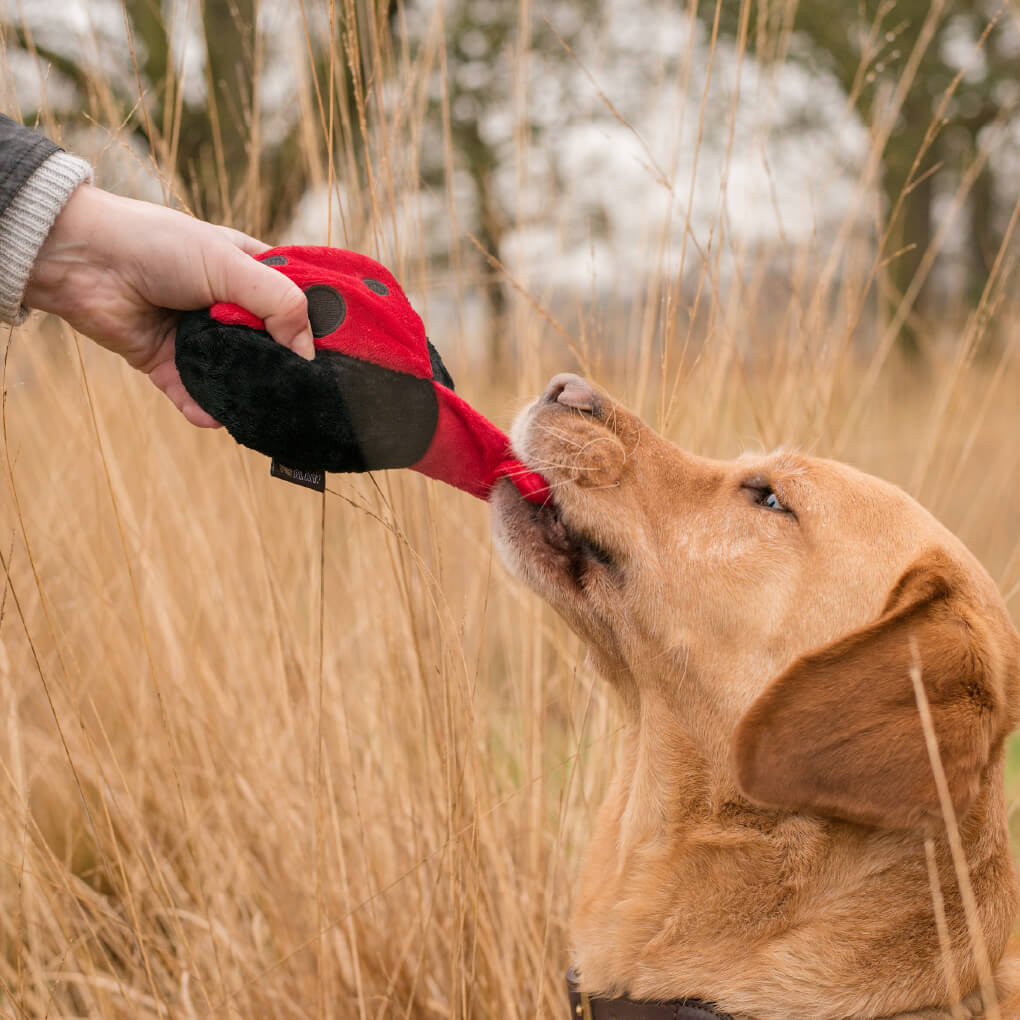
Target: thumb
<point>271,296</point>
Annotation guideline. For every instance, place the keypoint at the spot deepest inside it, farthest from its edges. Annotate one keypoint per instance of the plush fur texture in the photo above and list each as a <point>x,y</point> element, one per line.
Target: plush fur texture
<point>335,413</point>
<point>379,325</point>
<point>376,395</point>
<point>763,842</point>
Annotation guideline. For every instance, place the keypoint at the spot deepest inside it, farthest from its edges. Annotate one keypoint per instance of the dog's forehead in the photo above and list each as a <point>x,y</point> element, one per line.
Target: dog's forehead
<point>830,494</point>
<point>783,462</point>
<point>821,475</point>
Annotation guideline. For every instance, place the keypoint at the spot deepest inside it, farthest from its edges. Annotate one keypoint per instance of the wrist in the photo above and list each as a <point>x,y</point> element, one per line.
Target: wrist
<point>72,254</point>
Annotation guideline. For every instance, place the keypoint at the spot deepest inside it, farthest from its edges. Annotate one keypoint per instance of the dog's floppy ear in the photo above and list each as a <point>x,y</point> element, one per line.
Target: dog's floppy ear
<point>839,732</point>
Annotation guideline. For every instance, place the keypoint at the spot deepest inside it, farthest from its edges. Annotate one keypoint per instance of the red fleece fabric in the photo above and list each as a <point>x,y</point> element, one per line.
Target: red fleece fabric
<point>381,328</point>
<point>467,450</point>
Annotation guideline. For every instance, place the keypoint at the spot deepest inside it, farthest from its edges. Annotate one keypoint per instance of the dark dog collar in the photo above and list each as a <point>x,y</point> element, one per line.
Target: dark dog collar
<point>586,1007</point>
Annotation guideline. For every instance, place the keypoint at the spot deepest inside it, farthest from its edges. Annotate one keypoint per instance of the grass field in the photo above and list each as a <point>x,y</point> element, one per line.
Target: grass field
<point>266,754</point>
<point>236,786</point>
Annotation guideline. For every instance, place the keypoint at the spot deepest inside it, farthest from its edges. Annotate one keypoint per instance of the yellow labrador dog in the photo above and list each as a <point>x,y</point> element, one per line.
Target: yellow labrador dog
<point>772,625</point>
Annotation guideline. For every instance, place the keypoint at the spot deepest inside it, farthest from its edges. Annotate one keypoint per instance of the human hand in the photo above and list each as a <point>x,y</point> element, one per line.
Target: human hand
<point>119,271</point>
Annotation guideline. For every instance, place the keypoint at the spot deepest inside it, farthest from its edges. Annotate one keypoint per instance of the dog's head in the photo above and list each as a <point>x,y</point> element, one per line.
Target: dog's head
<point>803,598</point>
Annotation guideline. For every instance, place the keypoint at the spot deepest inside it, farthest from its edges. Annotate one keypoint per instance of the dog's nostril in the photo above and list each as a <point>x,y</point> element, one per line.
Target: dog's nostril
<point>555,388</point>
<point>572,391</point>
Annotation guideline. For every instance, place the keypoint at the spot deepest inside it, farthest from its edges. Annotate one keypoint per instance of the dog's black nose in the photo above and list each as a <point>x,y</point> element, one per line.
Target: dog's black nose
<point>571,391</point>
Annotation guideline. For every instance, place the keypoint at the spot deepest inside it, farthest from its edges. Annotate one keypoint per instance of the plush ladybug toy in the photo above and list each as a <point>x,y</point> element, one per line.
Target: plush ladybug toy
<point>376,395</point>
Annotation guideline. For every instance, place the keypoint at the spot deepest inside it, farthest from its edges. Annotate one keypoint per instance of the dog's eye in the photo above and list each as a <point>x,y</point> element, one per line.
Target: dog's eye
<point>761,494</point>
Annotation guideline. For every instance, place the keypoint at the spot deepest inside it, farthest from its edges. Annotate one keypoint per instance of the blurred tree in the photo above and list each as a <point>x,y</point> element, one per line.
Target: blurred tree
<point>212,136</point>
<point>495,106</point>
<point>942,75</point>
<point>207,139</point>
<point>205,135</point>
<point>481,42</point>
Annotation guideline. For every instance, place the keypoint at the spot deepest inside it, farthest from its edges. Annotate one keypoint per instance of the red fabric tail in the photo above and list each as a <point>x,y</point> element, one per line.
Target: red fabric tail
<point>470,453</point>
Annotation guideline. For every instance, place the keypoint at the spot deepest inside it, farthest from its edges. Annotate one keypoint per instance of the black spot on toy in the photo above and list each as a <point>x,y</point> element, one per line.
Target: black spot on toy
<point>326,309</point>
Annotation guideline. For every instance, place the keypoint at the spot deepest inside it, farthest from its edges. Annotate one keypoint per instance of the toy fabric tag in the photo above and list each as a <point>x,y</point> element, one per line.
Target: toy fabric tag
<point>309,479</point>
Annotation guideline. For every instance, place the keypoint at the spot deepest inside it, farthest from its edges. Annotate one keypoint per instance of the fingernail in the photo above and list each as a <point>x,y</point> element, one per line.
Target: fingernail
<point>304,344</point>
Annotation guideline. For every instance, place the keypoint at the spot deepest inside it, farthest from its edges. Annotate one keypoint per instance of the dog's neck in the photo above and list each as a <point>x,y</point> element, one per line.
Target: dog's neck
<point>682,871</point>
<point>680,716</point>
<point>673,763</point>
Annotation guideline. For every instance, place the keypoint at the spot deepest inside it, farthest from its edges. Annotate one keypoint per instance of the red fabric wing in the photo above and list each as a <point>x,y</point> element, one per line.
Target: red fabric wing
<point>381,328</point>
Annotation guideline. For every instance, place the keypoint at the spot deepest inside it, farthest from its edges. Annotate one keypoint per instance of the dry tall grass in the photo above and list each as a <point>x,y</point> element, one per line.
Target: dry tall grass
<point>266,754</point>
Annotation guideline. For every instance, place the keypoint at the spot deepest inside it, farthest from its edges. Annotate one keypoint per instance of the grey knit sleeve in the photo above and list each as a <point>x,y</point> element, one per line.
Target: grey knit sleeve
<point>26,222</point>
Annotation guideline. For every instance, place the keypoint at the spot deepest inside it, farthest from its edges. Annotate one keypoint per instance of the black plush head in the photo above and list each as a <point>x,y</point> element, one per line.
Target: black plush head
<point>335,413</point>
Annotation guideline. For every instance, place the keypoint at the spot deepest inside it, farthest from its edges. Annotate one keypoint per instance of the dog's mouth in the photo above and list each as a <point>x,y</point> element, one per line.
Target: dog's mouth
<point>580,551</point>
<point>547,541</point>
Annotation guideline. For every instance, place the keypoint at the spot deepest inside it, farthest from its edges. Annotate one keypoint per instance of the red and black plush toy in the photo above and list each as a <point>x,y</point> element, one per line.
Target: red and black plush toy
<point>375,396</point>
